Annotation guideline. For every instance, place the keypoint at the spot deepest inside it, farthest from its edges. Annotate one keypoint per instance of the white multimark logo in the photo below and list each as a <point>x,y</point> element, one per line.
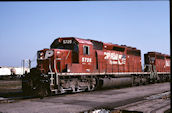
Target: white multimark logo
<point>115,58</point>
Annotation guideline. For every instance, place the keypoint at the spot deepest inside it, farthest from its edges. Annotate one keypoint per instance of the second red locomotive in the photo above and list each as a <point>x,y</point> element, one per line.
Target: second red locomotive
<point>159,62</point>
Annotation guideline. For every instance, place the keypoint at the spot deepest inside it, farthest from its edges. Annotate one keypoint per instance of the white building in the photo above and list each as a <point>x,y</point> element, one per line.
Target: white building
<point>16,70</point>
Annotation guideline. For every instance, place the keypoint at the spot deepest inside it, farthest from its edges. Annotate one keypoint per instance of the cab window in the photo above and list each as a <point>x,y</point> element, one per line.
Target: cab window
<point>86,50</point>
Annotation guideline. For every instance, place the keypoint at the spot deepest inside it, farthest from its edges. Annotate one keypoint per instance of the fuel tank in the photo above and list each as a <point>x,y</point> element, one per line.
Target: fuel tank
<point>115,82</point>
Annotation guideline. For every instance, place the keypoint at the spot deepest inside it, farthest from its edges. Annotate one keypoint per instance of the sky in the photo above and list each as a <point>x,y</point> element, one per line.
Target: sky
<point>26,27</point>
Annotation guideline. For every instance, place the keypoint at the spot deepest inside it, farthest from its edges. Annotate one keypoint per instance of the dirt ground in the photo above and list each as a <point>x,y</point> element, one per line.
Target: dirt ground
<point>82,102</point>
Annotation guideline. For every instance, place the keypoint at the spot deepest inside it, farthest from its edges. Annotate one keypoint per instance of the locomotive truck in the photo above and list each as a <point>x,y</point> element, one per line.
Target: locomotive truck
<point>73,64</point>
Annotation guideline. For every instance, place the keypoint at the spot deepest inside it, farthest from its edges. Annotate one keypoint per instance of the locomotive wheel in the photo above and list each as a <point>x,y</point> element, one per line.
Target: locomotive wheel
<point>88,89</point>
<point>92,87</point>
<point>42,91</point>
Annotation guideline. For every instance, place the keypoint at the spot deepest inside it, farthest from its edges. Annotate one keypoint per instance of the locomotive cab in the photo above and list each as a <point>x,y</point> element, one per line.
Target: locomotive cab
<point>67,44</point>
<point>62,53</point>
<point>66,55</point>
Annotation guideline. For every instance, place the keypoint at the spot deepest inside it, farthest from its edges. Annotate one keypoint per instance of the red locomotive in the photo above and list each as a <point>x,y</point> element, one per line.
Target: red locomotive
<point>76,55</point>
<point>74,64</point>
<point>155,61</point>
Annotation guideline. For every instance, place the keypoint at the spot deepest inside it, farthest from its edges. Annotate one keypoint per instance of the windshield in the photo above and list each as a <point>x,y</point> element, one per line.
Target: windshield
<point>70,46</point>
<point>63,46</point>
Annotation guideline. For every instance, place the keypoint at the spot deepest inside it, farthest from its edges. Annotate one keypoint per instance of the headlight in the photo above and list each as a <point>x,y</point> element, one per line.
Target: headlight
<point>40,55</point>
<point>58,52</point>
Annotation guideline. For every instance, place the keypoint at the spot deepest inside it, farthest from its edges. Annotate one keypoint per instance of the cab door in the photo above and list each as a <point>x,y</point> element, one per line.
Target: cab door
<point>87,58</point>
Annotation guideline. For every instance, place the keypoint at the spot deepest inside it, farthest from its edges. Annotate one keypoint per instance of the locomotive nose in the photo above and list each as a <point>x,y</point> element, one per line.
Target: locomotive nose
<point>58,54</point>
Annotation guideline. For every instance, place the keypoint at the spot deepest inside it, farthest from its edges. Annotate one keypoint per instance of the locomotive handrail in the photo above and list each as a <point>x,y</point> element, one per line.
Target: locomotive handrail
<point>115,73</point>
<point>105,73</point>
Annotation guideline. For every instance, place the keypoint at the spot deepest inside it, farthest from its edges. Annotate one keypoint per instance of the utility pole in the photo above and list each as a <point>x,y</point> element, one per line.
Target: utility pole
<point>26,63</point>
<point>23,65</point>
<point>29,62</point>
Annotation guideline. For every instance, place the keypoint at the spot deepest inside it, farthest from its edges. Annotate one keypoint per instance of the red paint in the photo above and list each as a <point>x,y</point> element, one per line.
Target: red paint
<point>77,55</point>
<point>160,61</point>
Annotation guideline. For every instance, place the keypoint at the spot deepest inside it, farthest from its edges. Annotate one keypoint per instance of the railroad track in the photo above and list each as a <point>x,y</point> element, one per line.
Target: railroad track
<point>158,103</point>
<point>110,99</point>
<point>11,99</point>
<point>16,96</point>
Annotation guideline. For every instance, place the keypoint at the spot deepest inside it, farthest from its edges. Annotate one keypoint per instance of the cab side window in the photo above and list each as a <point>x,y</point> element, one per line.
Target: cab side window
<point>86,50</point>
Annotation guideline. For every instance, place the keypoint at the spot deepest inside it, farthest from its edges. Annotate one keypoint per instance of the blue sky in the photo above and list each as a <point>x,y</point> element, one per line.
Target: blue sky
<point>26,27</point>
